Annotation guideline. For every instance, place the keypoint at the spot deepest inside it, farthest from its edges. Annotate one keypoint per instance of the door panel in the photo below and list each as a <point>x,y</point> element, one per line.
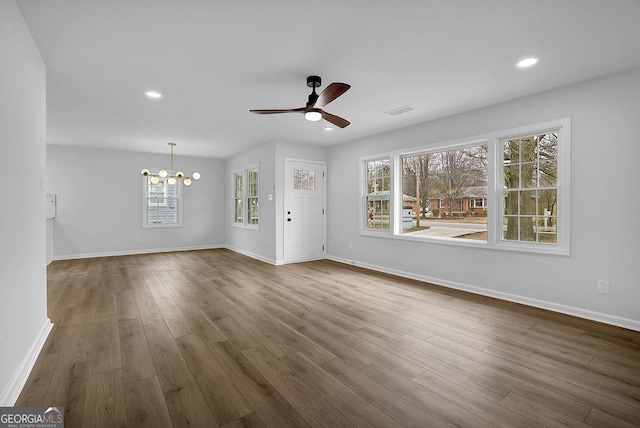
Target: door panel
<point>304,211</point>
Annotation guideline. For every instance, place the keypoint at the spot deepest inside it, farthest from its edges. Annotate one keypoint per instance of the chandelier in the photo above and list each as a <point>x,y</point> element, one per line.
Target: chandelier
<point>171,176</point>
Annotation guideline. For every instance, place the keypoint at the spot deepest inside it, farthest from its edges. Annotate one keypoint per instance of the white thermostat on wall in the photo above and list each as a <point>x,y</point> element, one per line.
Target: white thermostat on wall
<point>51,205</point>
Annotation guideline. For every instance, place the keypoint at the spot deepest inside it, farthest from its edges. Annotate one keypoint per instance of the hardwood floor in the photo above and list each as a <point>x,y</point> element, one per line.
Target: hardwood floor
<point>216,339</point>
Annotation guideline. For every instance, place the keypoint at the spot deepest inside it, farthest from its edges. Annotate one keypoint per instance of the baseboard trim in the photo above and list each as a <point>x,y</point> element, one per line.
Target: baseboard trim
<point>253,255</point>
<point>20,376</point>
<point>136,252</point>
<point>542,304</point>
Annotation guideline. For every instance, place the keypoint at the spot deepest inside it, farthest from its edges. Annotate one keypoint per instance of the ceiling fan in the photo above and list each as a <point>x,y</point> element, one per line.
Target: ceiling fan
<point>313,110</point>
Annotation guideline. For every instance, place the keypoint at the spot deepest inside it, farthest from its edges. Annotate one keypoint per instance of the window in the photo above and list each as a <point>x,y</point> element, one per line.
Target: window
<point>445,184</point>
<point>530,195</point>
<point>304,180</point>
<point>161,204</point>
<point>252,196</point>
<point>238,198</point>
<point>504,190</point>
<point>478,203</point>
<point>246,197</point>
<point>377,194</point>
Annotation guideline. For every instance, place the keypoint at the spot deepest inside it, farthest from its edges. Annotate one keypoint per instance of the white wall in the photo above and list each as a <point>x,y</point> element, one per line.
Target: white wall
<point>266,243</point>
<point>605,206</point>
<point>23,297</point>
<point>258,243</point>
<point>99,203</point>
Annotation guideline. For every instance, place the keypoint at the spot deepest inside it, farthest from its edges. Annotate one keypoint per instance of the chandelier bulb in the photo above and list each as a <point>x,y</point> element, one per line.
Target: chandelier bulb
<point>163,173</point>
<point>187,181</point>
<point>179,174</point>
<point>171,180</point>
<point>195,175</point>
<point>155,180</point>
<point>145,172</point>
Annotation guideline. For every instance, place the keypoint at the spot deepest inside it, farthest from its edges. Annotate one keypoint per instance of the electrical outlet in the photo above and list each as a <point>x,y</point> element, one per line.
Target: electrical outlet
<point>603,286</point>
<point>138,239</point>
<point>351,245</point>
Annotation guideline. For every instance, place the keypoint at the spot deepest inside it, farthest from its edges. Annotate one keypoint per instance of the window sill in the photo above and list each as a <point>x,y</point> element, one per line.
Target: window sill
<point>159,225</point>
<point>246,226</point>
<point>548,249</point>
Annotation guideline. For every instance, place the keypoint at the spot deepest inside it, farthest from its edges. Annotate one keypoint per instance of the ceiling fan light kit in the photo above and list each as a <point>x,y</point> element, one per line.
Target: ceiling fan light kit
<point>313,110</point>
<point>173,177</point>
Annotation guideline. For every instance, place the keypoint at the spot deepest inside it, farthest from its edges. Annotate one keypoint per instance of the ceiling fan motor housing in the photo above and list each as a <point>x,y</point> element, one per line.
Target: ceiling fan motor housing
<point>314,81</point>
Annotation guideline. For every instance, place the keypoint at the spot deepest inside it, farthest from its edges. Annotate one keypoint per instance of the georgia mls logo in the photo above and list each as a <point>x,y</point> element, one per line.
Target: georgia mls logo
<point>31,417</point>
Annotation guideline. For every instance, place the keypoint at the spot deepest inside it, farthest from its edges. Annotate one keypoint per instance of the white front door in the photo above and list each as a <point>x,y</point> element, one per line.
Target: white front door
<point>304,225</point>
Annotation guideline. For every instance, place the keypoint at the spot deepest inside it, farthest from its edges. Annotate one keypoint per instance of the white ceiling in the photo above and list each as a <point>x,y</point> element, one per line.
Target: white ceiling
<point>215,60</point>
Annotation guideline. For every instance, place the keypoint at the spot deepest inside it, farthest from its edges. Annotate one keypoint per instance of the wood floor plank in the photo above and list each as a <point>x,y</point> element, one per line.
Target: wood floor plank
<point>249,421</point>
<point>137,362</point>
<point>175,319</point>
<point>272,408</point>
<point>444,409</point>
<point>189,409</point>
<point>600,419</point>
<point>149,311</point>
<point>359,411</point>
<point>105,347</point>
<point>316,411</point>
<point>68,389</point>
<point>104,405</point>
<point>225,401</point>
<point>146,406</point>
<point>538,412</point>
<point>202,325</point>
<point>126,303</point>
<point>170,366</point>
<point>488,410</point>
<point>402,411</point>
<point>77,345</point>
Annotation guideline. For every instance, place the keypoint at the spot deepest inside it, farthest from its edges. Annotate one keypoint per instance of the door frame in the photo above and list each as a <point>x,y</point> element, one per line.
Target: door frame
<point>324,207</point>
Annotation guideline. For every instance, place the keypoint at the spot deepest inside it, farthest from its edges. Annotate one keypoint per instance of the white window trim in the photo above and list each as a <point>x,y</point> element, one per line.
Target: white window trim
<point>245,197</point>
<point>494,196</point>
<point>364,228</point>
<point>146,225</point>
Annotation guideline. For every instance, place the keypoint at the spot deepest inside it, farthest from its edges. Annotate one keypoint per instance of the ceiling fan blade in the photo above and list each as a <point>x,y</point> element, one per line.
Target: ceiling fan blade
<point>292,110</point>
<point>330,93</point>
<point>336,120</point>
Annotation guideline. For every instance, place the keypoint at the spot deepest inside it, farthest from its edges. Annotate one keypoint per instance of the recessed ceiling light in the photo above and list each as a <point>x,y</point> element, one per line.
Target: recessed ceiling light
<point>527,62</point>
<point>328,128</point>
<point>153,94</point>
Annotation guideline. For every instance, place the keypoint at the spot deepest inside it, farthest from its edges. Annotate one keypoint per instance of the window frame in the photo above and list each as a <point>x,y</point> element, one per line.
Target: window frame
<point>363,205</point>
<point>145,204</point>
<point>563,161</point>
<point>246,198</point>
<point>494,202</point>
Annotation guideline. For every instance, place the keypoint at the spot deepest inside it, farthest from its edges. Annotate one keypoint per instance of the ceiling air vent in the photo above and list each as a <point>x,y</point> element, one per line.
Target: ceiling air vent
<point>400,110</point>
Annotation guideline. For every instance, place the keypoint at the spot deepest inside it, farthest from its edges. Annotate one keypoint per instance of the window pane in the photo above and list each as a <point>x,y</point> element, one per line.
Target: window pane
<point>253,210</point>
<point>512,176</point>
<point>297,179</point>
<point>547,173</point>
<point>511,203</point>
<point>312,180</point>
<point>530,214</point>
<point>443,193</point>
<point>238,211</point>
<point>378,193</point>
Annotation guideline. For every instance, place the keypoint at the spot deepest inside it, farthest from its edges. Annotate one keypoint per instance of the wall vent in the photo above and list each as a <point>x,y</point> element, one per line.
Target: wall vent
<point>400,110</point>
